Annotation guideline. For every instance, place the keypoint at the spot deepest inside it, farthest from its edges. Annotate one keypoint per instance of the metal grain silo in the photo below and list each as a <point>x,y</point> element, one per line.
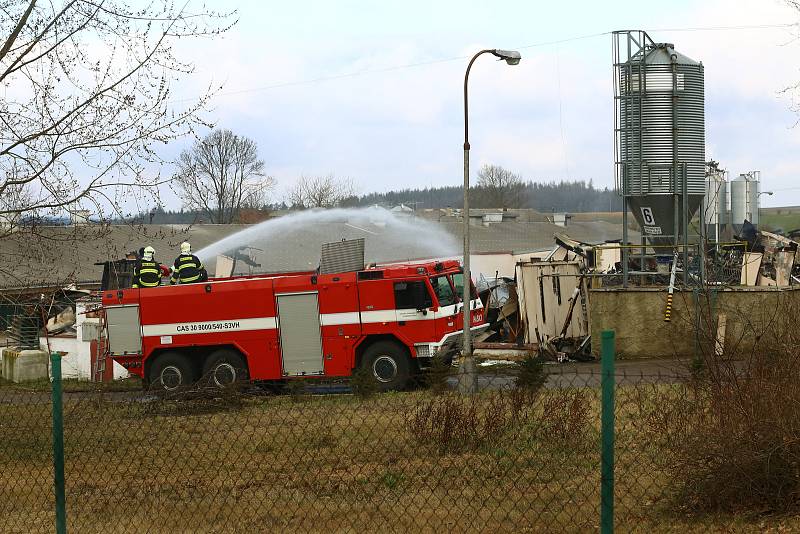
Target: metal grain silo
<point>715,202</point>
<point>744,199</point>
<point>659,135</point>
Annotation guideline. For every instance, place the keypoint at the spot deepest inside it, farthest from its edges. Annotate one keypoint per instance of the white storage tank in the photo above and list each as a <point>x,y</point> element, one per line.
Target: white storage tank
<point>744,199</point>
<point>715,203</point>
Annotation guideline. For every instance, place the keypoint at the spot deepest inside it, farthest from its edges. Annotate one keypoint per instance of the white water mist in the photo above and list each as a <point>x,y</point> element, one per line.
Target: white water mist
<point>388,237</point>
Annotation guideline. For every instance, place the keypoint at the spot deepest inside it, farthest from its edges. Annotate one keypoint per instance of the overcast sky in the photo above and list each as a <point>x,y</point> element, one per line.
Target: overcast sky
<point>286,71</point>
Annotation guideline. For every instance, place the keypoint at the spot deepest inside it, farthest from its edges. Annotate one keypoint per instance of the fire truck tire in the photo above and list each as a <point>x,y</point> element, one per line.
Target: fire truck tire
<point>225,367</point>
<point>172,371</point>
<point>388,363</point>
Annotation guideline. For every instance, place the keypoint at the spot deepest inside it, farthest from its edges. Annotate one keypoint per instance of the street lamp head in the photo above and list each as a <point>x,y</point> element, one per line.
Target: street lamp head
<point>511,57</point>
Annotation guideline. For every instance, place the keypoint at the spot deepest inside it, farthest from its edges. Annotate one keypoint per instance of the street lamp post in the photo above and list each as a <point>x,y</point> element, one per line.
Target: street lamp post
<point>468,377</point>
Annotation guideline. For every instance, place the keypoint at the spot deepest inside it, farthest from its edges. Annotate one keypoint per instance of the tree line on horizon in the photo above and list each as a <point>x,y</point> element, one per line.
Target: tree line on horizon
<point>570,196</point>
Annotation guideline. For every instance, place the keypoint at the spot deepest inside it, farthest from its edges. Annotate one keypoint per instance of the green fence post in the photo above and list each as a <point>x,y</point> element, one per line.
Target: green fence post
<point>58,444</point>
<point>607,432</point>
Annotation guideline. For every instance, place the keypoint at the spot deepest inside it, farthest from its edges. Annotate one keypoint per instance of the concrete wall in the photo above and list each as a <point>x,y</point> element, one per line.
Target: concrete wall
<point>489,264</point>
<point>24,365</point>
<point>637,317</point>
<point>77,360</point>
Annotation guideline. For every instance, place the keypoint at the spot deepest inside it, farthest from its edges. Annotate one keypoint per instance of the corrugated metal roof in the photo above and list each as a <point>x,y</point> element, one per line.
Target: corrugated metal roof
<point>67,254</point>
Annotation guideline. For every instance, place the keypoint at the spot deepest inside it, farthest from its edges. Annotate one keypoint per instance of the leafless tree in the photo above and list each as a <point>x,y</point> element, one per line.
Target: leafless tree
<point>501,188</point>
<point>320,192</point>
<point>87,95</point>
<point>221,174</point>
<point>86,98</point>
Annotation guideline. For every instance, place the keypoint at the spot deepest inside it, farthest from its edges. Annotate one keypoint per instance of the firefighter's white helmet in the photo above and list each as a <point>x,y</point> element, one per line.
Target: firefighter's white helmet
<point>186,248</point>
<point>148,253</point>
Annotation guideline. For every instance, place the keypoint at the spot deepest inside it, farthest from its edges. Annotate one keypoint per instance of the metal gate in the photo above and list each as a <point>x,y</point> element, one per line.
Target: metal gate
<point>301,341</point>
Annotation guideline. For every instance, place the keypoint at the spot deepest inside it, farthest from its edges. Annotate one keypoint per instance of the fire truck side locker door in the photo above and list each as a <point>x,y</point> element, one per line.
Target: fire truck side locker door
<point>300,336</point>
<point>124,329</point>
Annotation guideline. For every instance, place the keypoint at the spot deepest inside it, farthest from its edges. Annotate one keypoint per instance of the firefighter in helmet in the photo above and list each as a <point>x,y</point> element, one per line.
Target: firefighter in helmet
<point>187,268</point>
<point>147,271</point>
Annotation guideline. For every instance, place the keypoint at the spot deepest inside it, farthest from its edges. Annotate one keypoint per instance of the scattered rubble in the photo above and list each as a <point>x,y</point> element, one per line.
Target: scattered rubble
<point>544,309</point>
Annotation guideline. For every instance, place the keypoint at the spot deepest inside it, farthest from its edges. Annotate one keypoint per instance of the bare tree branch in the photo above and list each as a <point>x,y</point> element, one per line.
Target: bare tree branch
<point>118,104</point>
<point>15,32</point>
<point>87,101</point>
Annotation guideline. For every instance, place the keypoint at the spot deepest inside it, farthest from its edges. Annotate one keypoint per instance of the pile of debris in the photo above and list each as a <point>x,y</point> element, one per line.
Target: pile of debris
<point>770,259</point>
<point>544,309</point>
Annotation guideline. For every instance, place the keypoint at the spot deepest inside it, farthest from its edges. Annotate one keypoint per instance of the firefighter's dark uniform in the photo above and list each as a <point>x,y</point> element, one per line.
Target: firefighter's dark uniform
<point>188,269</point>
<point>146,273</point>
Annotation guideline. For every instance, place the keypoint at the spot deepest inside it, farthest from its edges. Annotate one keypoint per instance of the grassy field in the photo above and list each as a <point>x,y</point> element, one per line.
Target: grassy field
<point>786,218</point>
<point>502,461</point>
<point>132,383</point>
<point>614,217</point>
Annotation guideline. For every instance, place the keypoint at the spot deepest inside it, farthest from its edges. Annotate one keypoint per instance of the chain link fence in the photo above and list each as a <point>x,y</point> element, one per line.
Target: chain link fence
<point>522,455</point>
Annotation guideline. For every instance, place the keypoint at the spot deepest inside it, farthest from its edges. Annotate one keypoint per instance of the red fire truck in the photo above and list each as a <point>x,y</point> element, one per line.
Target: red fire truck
<point>389,319</point>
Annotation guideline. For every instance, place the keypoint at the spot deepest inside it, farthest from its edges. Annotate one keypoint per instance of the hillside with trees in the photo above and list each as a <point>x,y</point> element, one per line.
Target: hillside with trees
<point>572,196</point>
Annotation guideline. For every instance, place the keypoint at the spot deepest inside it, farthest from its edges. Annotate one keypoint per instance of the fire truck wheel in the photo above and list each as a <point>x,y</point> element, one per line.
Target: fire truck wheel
<point>388,364</point>
<point>171,371</point>
<point>225,367</point>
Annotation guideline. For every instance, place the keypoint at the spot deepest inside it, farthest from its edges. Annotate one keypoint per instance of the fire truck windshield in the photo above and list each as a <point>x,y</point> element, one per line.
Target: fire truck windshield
<point>458,283</point>
<point>441,286</point>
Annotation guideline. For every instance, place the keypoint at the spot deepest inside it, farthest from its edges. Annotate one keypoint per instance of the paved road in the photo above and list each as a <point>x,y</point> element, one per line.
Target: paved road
<point>494,377</point>
<point>626,373</point>
<point>588,374</point>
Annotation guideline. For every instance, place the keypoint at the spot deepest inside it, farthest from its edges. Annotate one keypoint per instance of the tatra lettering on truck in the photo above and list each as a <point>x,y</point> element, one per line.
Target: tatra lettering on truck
<point>390,320</point>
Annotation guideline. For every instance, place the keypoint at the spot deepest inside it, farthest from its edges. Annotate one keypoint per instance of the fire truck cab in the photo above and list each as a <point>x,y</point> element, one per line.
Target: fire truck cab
<point>389,319</point>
